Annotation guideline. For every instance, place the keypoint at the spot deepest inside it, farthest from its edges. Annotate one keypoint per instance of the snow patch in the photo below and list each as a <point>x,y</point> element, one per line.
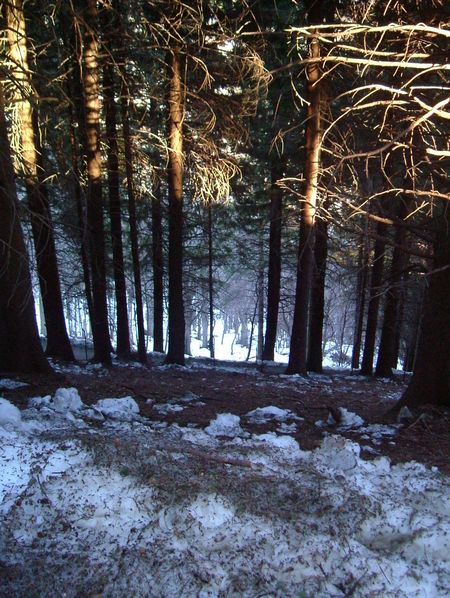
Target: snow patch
<point>9,414</point>
<point>123,409</point>
<point>225,424</point>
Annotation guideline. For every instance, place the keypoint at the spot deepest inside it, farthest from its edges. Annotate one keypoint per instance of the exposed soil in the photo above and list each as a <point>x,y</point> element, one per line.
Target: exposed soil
<point>239,389</point>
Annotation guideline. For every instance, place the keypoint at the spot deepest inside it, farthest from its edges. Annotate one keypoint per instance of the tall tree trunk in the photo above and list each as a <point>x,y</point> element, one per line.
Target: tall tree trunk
<point>158,270</point>
<point>361,288</point>
<point>58,344</point>
<point>124,106</point>
<point>175,353</point>
<point>376,280</point>
<point>20,347</point>
<point>299,335</point>
<point>115,213</point>
<point>389,336</point>
<point>100,330</point>
<point>274,271</point>
<point>430,382</point>
<point>317,311</point>
<point>210,281</point>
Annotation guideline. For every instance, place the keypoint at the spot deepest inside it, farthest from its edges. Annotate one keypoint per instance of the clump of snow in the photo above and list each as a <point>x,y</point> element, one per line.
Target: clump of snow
<point>8,384</point>
<point>262,415</point>
<point>350,419</point>
<point>64,401</point>
<point>124,409</point>
<point>166,408</point>
<point>9,414</point>
<point>286,443</point>
<point>225,424</point>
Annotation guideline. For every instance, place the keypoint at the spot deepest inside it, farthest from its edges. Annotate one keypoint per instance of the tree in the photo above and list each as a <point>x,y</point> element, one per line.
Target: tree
<point>91,141</point>
<point>20,347</point>
<point>58,344</point>
<point>175,102</point>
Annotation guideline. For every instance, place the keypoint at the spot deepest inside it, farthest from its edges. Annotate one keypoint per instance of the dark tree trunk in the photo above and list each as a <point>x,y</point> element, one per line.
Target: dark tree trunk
<point>100,329</point>
<point>125,98</point>
<point>175,353</point>
<point>274,271</point>
<point>376,280</point>
<point>115,213</point>
<point>317,310</point>
<point>210,282</point>
<point>361,289</point>
<point>58,344</point>
<point>430,382</point>
<point>389,332</point>
<point>20,347</point>
<point>81,213</point>
<point>299,336</point>
<point>158,271</point>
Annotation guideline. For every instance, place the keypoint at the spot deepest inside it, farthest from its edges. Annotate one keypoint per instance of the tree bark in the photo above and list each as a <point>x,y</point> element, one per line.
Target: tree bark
<point>158,271</point>
<point>374,301</point>
<point>361,288</point>
<point>299,335</point>
<point>389,332</point>
<point>430,382</point>
<point>210,282</point>
<point>124,105</point>
<point>274,271</point>
<point>115,213</point>
<point>58,343</point>
<point>100,329</point>
<point>20,347</point>
<point>175,353</point>
<point>317,311</point>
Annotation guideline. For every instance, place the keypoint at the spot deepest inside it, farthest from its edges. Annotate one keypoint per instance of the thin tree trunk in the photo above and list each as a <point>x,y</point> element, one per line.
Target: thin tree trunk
<point>210,282</point>
<point>175,353</point>
<point>317,311</point>
<point>124,105</point>
<point>361,288</point>
<point>376,280</point>
<point>158,271</point>
<point>100,329</point>
<point>274,271</point>
<point>388,340</point>
<point>115,213</point>
<point>58,344</point>
<point>20,346</point>
<point>299,336</point>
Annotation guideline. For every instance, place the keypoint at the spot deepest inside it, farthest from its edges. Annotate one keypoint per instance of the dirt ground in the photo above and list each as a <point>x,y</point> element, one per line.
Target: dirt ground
<point>240,388</point>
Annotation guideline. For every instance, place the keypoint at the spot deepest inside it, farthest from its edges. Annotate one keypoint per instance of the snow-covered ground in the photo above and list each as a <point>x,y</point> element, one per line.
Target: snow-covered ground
<point>100,501</point>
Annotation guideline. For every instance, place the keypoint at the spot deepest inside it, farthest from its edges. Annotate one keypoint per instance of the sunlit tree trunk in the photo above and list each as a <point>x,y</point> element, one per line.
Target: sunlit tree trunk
<point>274,271</point>
<point>124,104</point>
<point>299,336</point>
<point>58,344</point>
<point>20,347</point>
<point>115,212</point>
<point>175,353</point>
<point>100,329</point>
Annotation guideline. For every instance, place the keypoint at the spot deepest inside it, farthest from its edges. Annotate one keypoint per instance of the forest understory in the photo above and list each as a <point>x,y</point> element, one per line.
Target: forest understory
<point>238,388</point>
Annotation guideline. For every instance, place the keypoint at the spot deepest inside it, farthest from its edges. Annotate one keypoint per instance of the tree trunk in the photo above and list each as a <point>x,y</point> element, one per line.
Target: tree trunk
<point>210,282</point>
<point>58,344</point>
<point>299,336</point>
<point>175,353</point>
<point>430,382</point>
<point>317,311</point>
<point>115,213</point>
<point>361,287</point>
<point>274,271</point>
<point>158,271</point>
<point>388,341</point>
<point>376,280</point>
<point>20,346</point>
<point>124,105</point>
<point>100,330</point>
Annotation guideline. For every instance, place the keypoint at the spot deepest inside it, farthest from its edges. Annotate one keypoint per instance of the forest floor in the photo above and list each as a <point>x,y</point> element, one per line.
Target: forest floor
<point>194,395</point>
